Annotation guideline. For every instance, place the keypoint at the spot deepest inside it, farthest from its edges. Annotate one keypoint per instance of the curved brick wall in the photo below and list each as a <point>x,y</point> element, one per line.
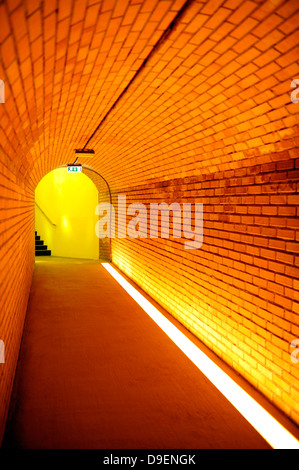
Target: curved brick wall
<point>190,102</point>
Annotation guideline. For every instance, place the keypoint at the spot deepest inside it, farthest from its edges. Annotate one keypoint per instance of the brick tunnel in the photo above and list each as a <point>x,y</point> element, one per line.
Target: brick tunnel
<point>182,102</point>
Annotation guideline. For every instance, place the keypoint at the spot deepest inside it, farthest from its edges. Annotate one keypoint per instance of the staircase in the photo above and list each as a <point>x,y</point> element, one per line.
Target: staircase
<point>40,248</point>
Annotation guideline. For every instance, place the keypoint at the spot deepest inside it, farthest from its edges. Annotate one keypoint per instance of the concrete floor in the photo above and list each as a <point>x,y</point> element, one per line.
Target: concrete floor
<point>96,372</point>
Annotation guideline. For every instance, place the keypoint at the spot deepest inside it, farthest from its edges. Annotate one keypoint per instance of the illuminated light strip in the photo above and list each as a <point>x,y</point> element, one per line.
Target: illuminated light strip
<point>266,425</point>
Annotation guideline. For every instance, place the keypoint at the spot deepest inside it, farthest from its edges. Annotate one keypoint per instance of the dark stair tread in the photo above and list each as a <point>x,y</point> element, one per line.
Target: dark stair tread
<point>43,253</point>
<point>41,247</point>
<point>39,242</point>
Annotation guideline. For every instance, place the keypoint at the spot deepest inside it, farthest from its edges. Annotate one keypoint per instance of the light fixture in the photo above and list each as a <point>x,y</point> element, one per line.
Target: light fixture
<point>265,424</point>
<point>84,152</point>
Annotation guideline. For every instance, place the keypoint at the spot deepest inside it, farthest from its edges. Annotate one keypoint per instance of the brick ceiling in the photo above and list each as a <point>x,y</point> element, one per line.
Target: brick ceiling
<point>159,89</point>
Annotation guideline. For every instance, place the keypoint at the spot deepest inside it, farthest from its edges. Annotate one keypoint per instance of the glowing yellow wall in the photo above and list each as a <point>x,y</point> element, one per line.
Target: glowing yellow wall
<point>68,201</point>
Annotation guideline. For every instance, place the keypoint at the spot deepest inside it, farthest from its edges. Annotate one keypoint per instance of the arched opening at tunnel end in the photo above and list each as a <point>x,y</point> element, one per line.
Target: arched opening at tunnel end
<point>65,217</point>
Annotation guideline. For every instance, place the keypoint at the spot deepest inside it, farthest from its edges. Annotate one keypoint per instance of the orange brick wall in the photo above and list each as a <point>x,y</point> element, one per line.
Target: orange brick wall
<point>238,292</point>
<point>17,258</point>
<point>210,118</point>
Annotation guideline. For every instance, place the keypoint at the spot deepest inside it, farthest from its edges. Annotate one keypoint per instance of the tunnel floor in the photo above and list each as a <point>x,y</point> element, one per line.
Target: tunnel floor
<point>95,372</point>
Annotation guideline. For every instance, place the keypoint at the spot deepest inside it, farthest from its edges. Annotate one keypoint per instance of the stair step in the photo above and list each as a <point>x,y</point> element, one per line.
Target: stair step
<point>40,248</point>
<point>43,253</point>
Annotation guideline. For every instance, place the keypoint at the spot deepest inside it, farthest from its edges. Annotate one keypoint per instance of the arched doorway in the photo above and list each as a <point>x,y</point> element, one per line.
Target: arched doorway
<point>65,216</point>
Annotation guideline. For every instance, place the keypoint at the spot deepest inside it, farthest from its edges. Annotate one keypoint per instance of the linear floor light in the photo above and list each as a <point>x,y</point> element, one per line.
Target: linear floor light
<point>265,424</point>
